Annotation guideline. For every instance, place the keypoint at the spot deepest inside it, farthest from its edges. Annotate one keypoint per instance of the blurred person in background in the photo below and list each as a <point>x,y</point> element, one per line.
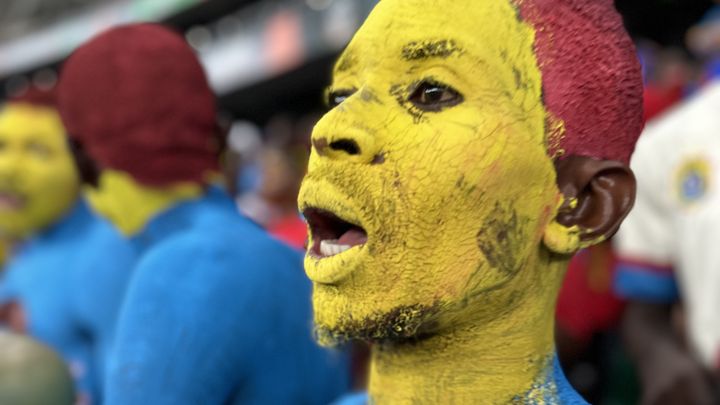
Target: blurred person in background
<point>668,76</point>
<point>241,158</point>
<point>217,312</point>
<point>669,262</point>
<point>587,315</point>
<point>32,373</point>
<point>65,280</point>
<point>704,41</point>
<point>281,166</point>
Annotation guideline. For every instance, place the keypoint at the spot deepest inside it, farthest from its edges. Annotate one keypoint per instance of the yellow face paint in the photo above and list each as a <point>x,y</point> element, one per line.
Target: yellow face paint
<point>130,205</point>
<point>455,200</point>
<point>38,179</point>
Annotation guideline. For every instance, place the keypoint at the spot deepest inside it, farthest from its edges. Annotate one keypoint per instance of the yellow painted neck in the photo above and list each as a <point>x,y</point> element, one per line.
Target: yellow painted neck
<point>130,205</point>
<point>494,363</point>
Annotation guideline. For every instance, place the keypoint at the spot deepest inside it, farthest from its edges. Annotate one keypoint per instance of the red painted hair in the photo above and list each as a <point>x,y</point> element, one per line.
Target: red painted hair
<point>591,76</point>
<point>137,100</point>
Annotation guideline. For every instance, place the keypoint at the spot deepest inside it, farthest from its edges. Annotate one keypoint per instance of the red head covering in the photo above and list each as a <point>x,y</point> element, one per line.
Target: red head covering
<point>37,97</point>
<point>136,98</point>
<point>592,79</point>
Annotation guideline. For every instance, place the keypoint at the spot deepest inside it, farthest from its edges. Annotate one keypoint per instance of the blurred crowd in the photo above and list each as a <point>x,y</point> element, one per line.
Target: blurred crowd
<point>632,317</point>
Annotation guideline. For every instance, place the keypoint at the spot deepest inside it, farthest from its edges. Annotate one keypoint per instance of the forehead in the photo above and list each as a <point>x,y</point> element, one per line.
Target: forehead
<point>418,30</point>
<point>19,120</point>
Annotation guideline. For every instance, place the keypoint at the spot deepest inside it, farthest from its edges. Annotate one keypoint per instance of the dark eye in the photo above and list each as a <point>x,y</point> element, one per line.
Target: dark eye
<point>432,96</point>
<point>336,97</point>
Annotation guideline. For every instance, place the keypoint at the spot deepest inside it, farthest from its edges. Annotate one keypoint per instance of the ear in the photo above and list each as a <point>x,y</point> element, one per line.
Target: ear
<point>598,195</point>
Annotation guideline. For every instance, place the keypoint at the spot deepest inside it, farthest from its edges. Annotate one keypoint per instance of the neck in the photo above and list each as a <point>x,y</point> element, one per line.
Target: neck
<point>502,361</point>
<point>130,205</point>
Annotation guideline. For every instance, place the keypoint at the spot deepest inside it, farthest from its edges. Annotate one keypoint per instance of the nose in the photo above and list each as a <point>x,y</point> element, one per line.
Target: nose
<point>357,144</point>
<point>346,145</point>
<point>358,148</point>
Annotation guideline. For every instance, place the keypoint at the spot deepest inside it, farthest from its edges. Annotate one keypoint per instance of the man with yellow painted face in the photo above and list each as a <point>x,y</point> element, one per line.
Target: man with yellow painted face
<point>217,311</point>
<point>65,280</point>
<point>471,149</point>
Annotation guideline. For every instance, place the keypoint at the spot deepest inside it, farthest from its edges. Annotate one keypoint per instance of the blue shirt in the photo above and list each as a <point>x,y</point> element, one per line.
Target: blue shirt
<point>218,312</point>
<point>69,281</point>
<point>646,282</point>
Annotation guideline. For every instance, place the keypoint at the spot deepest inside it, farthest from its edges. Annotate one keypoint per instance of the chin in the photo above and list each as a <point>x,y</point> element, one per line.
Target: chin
<point>338,321</point>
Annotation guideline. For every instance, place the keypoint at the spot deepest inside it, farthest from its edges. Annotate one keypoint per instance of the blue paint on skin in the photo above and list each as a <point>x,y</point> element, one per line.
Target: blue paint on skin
<point>218,312</point>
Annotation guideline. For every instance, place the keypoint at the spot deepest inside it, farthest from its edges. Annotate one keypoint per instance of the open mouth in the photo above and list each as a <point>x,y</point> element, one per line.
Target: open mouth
<point>332,235</point>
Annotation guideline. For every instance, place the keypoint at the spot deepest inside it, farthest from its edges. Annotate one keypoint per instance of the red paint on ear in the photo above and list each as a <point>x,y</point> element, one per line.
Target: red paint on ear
<point>136,98</point>
<point>591,75</point>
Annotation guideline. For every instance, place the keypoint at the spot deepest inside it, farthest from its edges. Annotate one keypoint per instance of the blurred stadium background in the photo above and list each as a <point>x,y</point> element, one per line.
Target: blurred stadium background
<point>263,56</point>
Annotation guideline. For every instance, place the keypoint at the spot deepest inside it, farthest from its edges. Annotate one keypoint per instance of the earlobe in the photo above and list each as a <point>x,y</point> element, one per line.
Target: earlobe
<point>561,239</point>
<point>598,194</point>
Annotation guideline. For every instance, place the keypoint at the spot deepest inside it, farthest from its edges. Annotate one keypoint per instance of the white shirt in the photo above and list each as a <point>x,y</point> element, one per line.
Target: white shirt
<point>676,219</point>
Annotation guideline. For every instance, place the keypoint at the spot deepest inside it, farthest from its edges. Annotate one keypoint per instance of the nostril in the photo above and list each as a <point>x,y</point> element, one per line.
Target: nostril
<point>347,145</point>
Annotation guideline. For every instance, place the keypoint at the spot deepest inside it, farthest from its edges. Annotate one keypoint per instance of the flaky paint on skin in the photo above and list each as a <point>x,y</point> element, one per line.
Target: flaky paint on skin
<point>460,307</point>
<point>441,48</point>
<point>562,240</point>
<point>36,169</point>
<point>130,205</point>
<point>555,129</point>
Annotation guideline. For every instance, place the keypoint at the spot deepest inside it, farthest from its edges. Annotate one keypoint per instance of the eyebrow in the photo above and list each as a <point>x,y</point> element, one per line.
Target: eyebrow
<point>346,62</point>
<point>423,50</point>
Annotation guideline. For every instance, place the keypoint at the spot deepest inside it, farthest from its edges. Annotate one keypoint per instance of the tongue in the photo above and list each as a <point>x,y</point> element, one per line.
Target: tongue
<point>353,237</point>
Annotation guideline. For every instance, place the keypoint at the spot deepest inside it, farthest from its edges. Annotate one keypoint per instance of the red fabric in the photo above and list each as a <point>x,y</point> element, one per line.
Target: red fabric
<point>37,97</point>
<point>591,76</point>
<point>658,100</point>
<point>136,98</point>
<point>587,304</point>
<point>291,230</point>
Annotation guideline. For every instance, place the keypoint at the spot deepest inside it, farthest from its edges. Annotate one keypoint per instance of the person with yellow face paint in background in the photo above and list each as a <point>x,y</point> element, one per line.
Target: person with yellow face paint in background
<point>64,281</point>
<point>472,148</point>
<point>217,312</point>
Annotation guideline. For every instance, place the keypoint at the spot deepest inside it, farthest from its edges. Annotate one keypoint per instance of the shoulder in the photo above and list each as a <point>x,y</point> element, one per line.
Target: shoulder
<point>235,254</point>
<point>231,241</point>
<point>100,249</point>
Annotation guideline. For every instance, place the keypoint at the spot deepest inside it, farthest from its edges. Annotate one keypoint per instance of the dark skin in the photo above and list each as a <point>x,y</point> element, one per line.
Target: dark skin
<point>669,373</point>
<point>605,193</point>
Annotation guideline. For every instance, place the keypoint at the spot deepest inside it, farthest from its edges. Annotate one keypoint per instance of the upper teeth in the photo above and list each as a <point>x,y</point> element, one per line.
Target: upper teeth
<point>332,248</point>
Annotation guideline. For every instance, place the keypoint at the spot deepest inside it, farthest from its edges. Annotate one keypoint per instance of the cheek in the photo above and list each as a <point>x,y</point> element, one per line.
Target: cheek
<point>58,173</point>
